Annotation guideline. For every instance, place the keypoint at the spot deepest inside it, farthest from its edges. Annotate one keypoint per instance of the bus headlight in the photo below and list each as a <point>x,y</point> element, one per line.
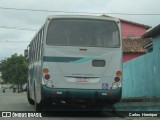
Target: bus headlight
<point>45,70</point>
<point>119,73</point>
<point>49,83</point>
<point>47,76</point>
<point>116,79</point>
<point>115,85</point>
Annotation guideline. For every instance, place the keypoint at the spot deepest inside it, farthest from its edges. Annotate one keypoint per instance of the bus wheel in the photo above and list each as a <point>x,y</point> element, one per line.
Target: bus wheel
<point>38,106</point>
<point>29,99</point>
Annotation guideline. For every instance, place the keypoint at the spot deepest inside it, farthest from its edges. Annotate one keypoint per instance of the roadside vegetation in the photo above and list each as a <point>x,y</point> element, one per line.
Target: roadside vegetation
<point>14,70</point>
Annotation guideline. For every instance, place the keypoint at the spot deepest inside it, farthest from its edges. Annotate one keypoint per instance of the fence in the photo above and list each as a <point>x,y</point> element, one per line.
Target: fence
<point>139,78</point>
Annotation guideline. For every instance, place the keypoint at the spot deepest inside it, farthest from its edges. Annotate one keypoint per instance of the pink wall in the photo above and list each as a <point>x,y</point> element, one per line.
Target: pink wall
<point>129,56</point>
<point>132,30</point>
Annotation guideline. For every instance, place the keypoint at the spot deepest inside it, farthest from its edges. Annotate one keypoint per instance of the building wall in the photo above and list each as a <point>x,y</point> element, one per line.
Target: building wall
<point>132,30</point>
<point>138,78</point>
<point>156,56</point>
<point>141,76</point>
<point>129,56</point>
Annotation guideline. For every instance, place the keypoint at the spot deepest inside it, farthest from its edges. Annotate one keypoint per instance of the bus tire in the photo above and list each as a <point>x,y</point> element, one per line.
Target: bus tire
<point>29,99</point>
<point>38,106</point>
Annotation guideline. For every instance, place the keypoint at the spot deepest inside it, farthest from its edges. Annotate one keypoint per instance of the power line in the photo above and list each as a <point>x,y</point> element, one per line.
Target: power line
<point>20,9</point>
<point>40,10</point>
<point>17,28</point>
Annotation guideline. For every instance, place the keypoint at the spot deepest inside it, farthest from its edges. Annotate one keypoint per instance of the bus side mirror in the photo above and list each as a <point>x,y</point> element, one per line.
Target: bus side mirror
<point>26,53</point>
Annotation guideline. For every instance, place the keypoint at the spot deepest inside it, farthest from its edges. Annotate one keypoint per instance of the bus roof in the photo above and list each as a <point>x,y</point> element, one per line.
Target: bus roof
<point>83,17</point>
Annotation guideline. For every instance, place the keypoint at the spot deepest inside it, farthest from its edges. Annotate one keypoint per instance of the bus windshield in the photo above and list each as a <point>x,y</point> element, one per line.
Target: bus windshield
<point>83,32</point>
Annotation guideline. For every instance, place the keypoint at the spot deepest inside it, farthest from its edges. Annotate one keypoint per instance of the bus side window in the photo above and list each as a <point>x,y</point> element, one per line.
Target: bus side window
<point>38,46</point>
<point>31,53</point>
<point>41,39</point>
<point>34,52</point>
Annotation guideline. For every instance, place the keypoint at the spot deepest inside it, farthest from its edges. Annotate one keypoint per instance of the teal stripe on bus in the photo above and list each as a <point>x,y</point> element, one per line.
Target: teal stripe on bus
<point>60,59</point>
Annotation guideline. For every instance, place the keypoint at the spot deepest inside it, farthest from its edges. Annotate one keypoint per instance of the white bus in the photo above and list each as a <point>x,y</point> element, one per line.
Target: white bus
<point>76,59</point>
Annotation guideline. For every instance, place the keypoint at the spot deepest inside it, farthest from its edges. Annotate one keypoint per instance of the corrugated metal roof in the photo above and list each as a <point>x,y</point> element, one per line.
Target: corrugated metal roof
<point>153,32</point>
<point>135,44</point>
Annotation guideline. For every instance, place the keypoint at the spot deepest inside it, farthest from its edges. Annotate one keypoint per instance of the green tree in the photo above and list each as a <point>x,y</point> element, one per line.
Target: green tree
<point>14,70</point>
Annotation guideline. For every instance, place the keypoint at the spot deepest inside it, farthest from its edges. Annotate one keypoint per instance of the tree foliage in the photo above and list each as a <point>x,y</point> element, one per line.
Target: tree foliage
<point>14,69</point>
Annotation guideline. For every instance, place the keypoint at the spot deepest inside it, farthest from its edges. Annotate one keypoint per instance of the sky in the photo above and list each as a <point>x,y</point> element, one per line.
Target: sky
<point>21,19</point>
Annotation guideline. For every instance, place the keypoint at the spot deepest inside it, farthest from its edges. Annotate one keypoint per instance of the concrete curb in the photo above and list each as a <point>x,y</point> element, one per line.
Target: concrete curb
<point>140,99</point>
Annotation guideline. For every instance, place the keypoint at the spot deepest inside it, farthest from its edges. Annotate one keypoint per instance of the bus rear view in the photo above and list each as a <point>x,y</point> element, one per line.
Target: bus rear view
<point>82,60</point>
